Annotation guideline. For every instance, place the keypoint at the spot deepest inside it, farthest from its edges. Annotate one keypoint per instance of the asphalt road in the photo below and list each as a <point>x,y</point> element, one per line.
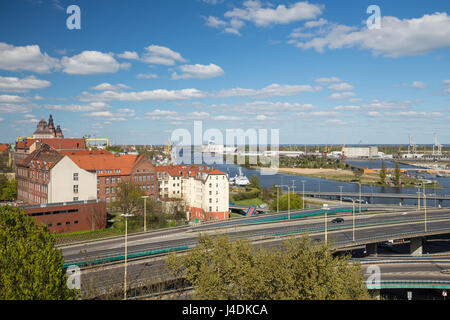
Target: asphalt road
<point>368,226</point>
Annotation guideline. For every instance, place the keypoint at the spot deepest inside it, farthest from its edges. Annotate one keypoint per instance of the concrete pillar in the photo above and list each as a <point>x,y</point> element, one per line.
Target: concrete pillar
<point>371,249</point>
<point>415,246</point>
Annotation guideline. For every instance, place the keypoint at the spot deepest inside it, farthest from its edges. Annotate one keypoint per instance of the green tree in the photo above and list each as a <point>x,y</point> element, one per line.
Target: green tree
<point>293,202</point>
<point>30,266</point>
<point>397,174</point>
<point>223,270</point>
<point>357,173</point>
<point>128,197</point>
<point>383,173</point>
<point>254,182</point>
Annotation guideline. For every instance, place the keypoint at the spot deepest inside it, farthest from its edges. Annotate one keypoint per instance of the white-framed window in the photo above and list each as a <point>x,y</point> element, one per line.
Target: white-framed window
<point>75,188</point>
<point>75,177</point>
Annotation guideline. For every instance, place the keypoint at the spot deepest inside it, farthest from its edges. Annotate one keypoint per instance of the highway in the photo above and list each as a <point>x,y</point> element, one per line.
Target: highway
<point>369,227</point>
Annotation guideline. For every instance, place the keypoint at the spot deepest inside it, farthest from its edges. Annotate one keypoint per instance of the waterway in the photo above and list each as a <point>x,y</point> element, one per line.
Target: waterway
<point>317,184</point>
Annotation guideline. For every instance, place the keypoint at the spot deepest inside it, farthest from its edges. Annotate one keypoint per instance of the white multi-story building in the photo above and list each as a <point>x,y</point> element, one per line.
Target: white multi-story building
<point>46,176</point>
<point>204,190</point>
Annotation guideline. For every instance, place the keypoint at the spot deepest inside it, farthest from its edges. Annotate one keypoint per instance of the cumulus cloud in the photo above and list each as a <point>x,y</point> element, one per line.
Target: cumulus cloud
<point>198,71</point>
<point>161,55</point>
<point>27,58</point>
<point>342,95</point>
<point>14,84</point>
<point>341,87</point>
<point>396,37</point>
<point>107,86</point>
<point>11,98</point>
<point>94,106</point>
<point>130,55</point>
<point>91,62</point>
<point>147,95</point>
<point>146,76</point>
<point>253,11</point>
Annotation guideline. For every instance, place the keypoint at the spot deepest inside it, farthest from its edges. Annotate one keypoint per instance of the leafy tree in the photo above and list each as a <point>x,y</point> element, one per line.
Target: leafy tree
<point>293,202</point>
<point>358,173</point>
<point>254,182</point>
<point>397,173</point>
<point>220,269</point>
<point>30,266</point>
<point>128,197</point>
<point>383,173</point>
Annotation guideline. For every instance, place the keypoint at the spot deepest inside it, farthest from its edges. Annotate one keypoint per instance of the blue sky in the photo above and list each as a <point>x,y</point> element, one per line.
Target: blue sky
<point>137,70</point>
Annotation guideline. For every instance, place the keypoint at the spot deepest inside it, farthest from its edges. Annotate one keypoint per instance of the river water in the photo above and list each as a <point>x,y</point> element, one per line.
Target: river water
<point>316,184</point>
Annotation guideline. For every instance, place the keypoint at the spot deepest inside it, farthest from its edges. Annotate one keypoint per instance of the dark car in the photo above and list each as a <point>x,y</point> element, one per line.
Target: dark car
<point>337,220</point>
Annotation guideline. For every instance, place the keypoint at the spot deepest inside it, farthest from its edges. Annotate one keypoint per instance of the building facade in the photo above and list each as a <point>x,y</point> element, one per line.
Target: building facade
<point>112,169</point>
<point>203,190</point>
<point>46,176</point>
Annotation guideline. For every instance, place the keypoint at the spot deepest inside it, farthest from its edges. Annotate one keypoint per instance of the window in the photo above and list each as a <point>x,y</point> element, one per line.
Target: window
<point>75,222</point>
<point>107,200</point>
<point>118,179</point>
<point>68,222</point>
<point>107,190</point>
<point>112,190</point>
<point>113,180</point>
<point>98,180</point>
<point>75,198</point>
<point>75,188</point>
<point>75,177</point>
<point>58,224</point>
<point>107,180</point>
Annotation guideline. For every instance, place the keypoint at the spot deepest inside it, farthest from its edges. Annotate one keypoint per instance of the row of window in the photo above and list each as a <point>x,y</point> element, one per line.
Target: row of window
<point>60,223</point>
<point>46,213</point>
<point>108,171</point>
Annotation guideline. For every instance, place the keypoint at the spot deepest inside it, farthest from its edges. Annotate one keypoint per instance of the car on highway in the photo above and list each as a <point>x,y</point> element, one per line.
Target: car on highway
<point>337,220</point>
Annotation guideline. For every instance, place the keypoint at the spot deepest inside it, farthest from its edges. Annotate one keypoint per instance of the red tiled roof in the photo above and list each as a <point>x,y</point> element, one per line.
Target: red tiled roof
<point>103,162</point>
<point>4,147</point>
<point>187,170</point>
<point>85,152</point>
<point>56,143</point>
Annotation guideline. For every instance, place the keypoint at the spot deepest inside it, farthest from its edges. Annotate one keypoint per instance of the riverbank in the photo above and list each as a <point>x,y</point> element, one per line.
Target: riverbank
<point>346,175</point>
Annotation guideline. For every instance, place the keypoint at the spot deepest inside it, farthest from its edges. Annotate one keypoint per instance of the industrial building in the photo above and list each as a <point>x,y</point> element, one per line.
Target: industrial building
<point>360,152</point>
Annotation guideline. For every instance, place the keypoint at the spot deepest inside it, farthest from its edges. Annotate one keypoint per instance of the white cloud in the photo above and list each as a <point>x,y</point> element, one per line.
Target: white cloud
<point>92,62</point>
<point>28,58</point>
<point>395,38</point>
<point>107,86</point>
<point>155,95</point>
<point>272,90</point>
<point>11,99</point>
<point>415,84</point>
<point>260,15</point>
<point>198,71</point>
<point>347,108</point>
<point>21,85</point>
<point>214,22</point>
<point>130,55</point>
<point>161,55</point>
<point>146,76</point>
<point>341,87</point>
<point>94,106</point>
<point>342,95</point>
<point>254,12</point>
<point>14,108</point>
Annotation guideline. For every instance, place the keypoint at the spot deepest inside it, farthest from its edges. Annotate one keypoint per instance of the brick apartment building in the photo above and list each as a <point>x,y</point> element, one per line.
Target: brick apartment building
<point>111,169</point>
<point>47,176</point>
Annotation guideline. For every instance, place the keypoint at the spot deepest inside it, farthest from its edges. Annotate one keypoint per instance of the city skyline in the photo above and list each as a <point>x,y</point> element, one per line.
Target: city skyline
<point>136,71</point>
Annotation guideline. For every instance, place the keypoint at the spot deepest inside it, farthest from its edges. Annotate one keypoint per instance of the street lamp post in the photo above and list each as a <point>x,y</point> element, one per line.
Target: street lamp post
<point>325,209</point>
<point>303,182</point>
<point>126,244</point>
<point>359,197</point>
<point>418,196</point>
<point>145,212</point>
<point>353,200</point>
<point>425,208</point>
